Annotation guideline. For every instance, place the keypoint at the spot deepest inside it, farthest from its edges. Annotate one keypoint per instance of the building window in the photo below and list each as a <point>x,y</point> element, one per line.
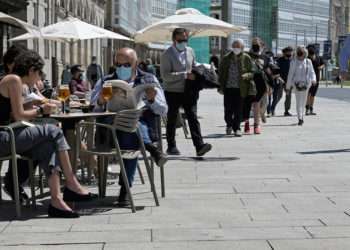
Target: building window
<point>63,52</point>
<point>71,6</point>
<point>79,50</point>
<point>46,49</point>
<point>47,16</point>
<point>36,45</point>
<point>92,44</point>
<point>86,57</point>
<point>36,14</point>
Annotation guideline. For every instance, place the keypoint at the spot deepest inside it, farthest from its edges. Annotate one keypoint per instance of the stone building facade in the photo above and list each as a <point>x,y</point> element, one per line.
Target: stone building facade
<point>16,9</point>
<point>58,54</point>
<point>338,22</point>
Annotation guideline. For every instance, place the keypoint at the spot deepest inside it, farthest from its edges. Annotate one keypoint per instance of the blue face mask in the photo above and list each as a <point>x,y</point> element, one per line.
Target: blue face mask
<point>181,46</point>
<point>124,73</point>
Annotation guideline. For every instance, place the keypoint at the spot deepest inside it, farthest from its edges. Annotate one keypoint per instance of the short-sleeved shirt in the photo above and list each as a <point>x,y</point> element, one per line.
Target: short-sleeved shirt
<point>317,62</point>
<point>284,64</point>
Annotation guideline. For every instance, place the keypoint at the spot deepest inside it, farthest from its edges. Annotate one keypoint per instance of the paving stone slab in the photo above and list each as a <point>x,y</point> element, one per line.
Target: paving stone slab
<point>75,237</point>
<point>268,224</point>
<point>161,235</point>
<point>258,216</point>
<point>311,244</point>
<point>237,245</point>
<point>56,247</point>
<point>330,232</point>
<point>37,229</point>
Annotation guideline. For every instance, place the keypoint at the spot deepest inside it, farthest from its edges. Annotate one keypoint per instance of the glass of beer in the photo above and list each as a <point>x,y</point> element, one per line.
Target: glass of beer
<point>63,95</point>
<point>87,98</point>
<point>107,92</point>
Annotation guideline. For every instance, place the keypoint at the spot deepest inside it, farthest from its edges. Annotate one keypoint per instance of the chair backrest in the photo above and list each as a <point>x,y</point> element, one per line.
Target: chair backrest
<point>127,120</point>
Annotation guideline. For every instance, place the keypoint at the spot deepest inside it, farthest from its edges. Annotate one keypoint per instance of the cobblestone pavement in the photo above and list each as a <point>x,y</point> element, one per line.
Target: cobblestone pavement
<point>287,188</point>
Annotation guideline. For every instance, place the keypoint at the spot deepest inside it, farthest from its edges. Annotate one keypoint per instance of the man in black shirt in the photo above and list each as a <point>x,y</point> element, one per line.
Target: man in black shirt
<point>318,64</point>
<point>284,65</point>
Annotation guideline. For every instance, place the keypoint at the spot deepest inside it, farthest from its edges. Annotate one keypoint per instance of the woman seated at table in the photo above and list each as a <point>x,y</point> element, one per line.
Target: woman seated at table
<point>77,85</point>
<point>85,159</point>
<point>45,144</point>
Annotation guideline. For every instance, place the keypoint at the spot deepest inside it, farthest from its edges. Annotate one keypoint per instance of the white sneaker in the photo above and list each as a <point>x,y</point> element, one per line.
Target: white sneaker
<point>238,133</point>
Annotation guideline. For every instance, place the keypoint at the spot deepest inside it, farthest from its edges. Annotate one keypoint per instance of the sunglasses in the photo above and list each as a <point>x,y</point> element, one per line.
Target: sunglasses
<point>123,64</point>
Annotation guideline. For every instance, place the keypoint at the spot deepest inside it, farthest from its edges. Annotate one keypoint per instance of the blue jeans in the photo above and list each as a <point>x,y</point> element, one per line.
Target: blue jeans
<point>127,141</point>
<point>144,131</point>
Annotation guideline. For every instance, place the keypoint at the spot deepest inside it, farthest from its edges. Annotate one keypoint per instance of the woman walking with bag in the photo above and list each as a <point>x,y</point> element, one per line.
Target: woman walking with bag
<point>301,76</point>
<point>261,68</point>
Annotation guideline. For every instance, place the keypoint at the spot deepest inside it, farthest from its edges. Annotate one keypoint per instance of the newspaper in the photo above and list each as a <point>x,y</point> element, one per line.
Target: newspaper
<point>127,97</point>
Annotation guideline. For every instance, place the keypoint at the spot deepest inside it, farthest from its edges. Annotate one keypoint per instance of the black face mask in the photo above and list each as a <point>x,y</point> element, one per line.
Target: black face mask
<point>288,55</point>
<point>255,48</point>
<point>300,54</point>
<point>311,52</point>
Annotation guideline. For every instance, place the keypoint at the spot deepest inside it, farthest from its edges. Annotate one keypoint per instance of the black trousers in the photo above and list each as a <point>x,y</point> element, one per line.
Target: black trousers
<point>23,171</point>
<point>247,106</point>
<point>233,108</point>
<point>189,103</point>
<point>277,95</point>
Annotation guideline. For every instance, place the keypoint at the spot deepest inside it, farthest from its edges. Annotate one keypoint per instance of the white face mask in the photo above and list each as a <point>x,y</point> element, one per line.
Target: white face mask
<point>237,51</point>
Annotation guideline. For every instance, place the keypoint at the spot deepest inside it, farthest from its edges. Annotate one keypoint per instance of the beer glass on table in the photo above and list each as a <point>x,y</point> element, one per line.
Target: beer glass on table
<point>63,95</point>
<point>107,92</point>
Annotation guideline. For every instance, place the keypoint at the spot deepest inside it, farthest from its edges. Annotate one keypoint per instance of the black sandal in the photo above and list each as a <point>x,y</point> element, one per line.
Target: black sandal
<point>70,196</point>
<point>58,213</point>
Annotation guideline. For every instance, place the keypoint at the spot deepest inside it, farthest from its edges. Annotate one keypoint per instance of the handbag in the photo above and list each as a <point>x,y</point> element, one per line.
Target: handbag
<point>252,88</point>
<point>302,85</point>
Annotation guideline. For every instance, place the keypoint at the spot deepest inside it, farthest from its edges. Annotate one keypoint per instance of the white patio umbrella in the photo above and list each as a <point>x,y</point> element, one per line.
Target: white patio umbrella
<point>193,20</point>
<point>71,30</point>
<point>4,18</point>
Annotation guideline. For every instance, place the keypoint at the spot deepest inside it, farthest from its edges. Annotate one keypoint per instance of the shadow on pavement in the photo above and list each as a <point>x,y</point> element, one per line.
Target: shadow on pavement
<point>216,136</point>
<point>96,207</point>
<point>334,151</point>
<point>281,116</point>
<point>281,125</point>
<point>8,211</point>
<point>207,159</point>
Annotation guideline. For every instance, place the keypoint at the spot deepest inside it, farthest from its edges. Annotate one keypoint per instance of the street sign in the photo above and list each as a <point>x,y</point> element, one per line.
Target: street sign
<point>341,41</point>
<point>327,49</point>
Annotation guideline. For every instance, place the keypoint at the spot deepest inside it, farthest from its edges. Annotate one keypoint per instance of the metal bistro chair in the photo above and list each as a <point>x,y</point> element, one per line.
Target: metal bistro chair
<point>180,122</point>
<point>13,156</point>
<point>160,147</point>
<point>159,142</point>
<point>126,121</point>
